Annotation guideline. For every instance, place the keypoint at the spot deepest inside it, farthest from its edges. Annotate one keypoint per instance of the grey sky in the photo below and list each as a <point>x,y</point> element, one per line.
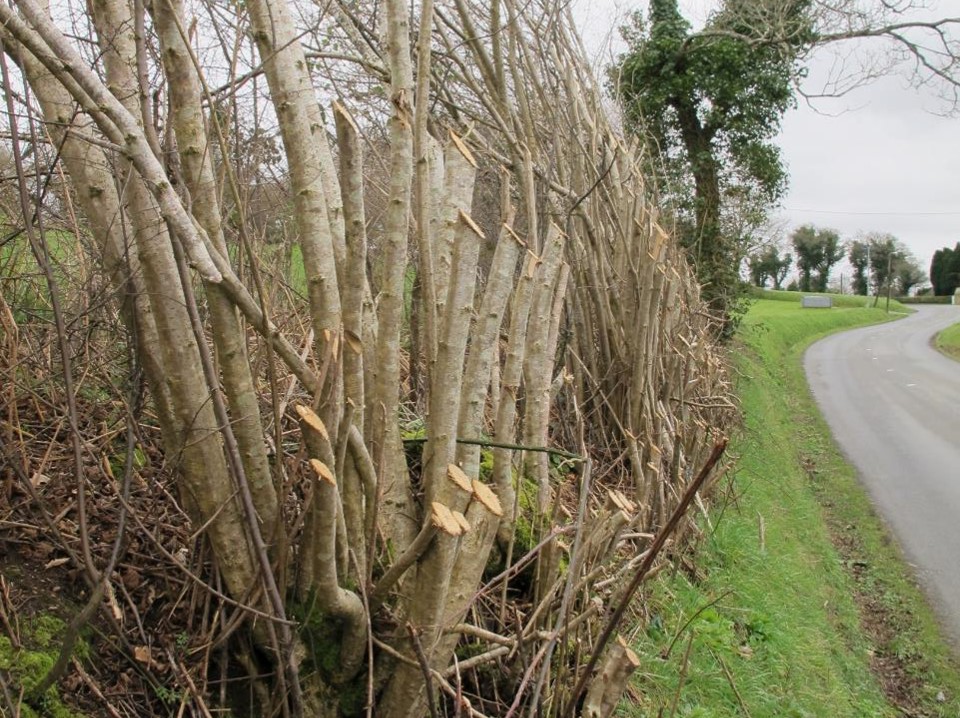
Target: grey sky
<point>878,159</point>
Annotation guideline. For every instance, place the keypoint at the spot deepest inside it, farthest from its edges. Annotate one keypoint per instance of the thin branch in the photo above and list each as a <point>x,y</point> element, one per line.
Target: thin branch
<point>641,574</point>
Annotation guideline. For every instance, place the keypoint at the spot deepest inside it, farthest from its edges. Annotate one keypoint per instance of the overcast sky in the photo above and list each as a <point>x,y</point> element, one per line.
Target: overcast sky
<point>879,159</point>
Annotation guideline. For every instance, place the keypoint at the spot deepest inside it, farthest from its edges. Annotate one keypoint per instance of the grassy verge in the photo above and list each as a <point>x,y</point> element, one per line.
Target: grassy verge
<point>948,341</point>
<point>798,604</point>
<point>840,301</point>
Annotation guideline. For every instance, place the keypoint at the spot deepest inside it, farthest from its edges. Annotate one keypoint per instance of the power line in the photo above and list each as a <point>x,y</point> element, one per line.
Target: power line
<point>874,214</point>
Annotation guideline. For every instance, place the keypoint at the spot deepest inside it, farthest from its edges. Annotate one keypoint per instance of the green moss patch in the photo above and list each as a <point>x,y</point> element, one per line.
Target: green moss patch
<point>25,666</point>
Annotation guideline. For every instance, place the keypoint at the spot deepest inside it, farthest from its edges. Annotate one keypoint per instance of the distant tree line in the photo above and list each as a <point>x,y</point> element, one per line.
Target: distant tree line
<point>877,259</point>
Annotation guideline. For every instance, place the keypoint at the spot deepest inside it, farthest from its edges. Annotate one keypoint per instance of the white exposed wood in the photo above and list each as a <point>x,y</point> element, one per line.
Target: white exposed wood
<point>611,680</point>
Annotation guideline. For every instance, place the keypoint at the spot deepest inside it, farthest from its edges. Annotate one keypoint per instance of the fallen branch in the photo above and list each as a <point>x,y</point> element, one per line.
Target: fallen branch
<point>502,445</point>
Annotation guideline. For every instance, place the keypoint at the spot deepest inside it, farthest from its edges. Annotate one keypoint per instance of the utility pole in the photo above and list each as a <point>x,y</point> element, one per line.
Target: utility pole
<point>889,278</point>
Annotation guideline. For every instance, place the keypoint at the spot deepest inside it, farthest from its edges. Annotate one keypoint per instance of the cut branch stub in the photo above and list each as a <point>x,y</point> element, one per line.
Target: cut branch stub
<point>309,417</point>
<point>345,114</point>
<point>459,477</point>
<point>332,340</point>
<point>354,342</point>
<point>484,495</point>
<point>509,230</point>
<point>443,518</point>
<point>468,220</point>
<point>618,500</point>
<point>323,471</point>
<point>535,262</point>
<point>611,681</point>
<point>464,150</point>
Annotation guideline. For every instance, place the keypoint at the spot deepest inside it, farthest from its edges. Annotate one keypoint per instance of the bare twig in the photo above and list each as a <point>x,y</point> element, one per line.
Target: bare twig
<point>425,667</point>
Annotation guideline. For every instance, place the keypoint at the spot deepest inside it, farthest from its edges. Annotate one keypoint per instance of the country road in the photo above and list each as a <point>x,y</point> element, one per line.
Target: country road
<point>893,403</point>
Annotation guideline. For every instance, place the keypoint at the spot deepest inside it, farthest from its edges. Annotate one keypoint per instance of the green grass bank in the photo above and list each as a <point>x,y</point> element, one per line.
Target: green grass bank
<point>796,604</point>
<point>948,341</point>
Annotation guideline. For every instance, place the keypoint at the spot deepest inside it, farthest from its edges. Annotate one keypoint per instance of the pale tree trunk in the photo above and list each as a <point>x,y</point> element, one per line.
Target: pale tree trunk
<point>425,188</point>
<point>428,594</point>
<point>305,141</point>
<point>322,242</point>
<point>194,151</point>
<point>387,451</point>
<point>537,378</point>
<point>358,498</point>
<point>536,279</point>
<point>207,481</point>
<point>485,343</point>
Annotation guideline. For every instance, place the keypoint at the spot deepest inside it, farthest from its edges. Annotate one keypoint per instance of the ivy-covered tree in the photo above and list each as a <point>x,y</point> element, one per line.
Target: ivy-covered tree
<point>711,100</point>
<point>945,270</point>
<point>713,105</point>
<point>907,274</point>
<point>858,254</point>
<point>782,270</point>
<point>767,264</point>
<point>885,251</point>
<point>818,250</point>
<point>885,260</point>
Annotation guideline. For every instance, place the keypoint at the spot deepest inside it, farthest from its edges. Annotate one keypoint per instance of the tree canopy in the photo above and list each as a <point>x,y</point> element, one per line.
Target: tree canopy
<point>768,264</point>
<point>945,270</point>
<point>877,257</point>
<point>907,274</point>
<point>818,250</point>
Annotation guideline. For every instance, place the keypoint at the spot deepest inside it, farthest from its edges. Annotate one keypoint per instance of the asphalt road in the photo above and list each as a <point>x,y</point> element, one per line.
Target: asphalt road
<point>893,403</point>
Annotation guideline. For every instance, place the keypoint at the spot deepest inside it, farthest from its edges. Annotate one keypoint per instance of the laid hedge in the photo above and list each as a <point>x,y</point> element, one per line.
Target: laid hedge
<point>925,299</point>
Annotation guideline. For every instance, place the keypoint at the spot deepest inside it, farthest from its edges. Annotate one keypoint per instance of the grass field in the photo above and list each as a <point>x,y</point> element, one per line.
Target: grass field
<point>22,284</point>
<point>948,341</point>
<point>840,301</point>
<point>797,594</point>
